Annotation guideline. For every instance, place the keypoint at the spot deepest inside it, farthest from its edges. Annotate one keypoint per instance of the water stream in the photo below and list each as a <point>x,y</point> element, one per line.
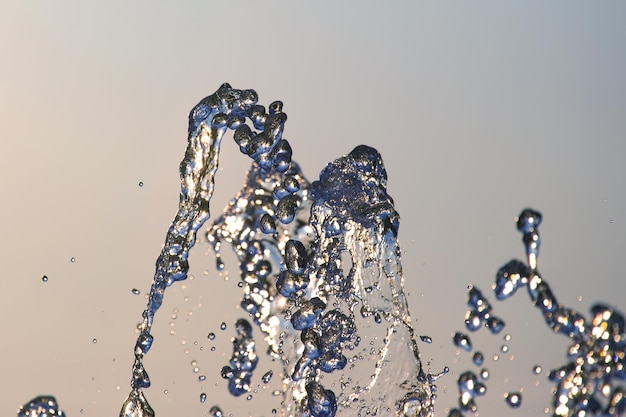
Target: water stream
<point>322,286</point>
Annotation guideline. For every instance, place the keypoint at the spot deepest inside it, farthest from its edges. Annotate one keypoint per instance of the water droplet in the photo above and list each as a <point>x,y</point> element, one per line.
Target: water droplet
<point>215,411</point>
<point>478,358</point>
<point>426,339</point>
<point>44,278</point>
<point>268,226</point>
<point>267,376</point>
<point>495,324</point>
<point>94,340</point>
<point>135,291</point>
<point>72,259</point>
<point>141,183</point>
<point>211,336</point>
<point>202,397</point>
<point>44,405</point>
<point>513,399</point>
<point>223,326</point>
<point>537,369</point>
<point>462,341</point>
<point>473,321</point>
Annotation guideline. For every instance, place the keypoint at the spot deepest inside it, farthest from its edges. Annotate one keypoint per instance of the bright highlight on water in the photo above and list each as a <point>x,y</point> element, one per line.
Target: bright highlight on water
<point>322,286</point>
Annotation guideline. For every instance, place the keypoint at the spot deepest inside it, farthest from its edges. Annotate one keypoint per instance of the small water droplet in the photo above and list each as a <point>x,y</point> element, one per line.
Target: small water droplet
<point>211,336</point>
<point>95,340</point>
<point>72,259</point>
<point>135,291</point>
<point>478,358</point>
<point>537,369</point>
<point>44,278</point>
<point>202,397</point>
<point>426,339</point>
<point>513,399</point>
<point>267,376</point>
<point>462,341</point>
<point>141,183</point>
<point>223,326</point>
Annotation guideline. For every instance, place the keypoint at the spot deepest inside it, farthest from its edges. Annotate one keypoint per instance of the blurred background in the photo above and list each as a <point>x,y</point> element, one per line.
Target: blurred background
<point>478,109</point>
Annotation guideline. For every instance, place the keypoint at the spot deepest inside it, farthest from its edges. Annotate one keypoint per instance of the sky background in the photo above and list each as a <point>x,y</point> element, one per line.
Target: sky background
<point>479,110</point>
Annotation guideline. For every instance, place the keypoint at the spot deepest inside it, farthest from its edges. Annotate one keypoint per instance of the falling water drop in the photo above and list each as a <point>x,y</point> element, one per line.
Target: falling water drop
<point>267,376</point>
<point>513,399</point>
<point>215,411</point>
<point>462,341</point>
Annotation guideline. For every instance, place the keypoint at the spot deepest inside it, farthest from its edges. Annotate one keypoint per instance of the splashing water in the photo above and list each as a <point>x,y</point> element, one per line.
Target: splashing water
<point>322,285</point>
<point>593,381</point>
<point>319,264</point>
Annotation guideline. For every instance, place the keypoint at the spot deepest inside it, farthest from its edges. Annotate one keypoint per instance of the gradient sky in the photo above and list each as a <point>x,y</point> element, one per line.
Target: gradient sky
<point>479,110</point>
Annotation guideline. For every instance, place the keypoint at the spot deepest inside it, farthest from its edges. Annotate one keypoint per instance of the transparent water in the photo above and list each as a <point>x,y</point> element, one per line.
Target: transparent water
<point>322,287</point>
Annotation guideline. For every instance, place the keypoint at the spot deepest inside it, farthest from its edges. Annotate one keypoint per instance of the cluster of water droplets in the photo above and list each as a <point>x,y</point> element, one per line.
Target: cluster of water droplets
<point>321,280</point>
<point>592,383</point>
<point>319,266</point>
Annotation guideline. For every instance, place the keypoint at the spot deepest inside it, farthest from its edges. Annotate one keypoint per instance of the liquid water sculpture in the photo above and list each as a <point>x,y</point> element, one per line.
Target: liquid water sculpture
<point>320,268</point>
<point>592,383</point>
<point>322,285</point>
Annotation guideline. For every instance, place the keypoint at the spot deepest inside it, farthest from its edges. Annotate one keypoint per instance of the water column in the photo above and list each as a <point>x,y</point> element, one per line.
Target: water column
<point>320,264</point>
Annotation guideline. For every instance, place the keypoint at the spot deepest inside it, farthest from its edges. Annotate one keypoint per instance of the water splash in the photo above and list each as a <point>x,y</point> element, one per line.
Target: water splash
<point>593,381</point>
<point>319,266</point>
<point>321,278</point>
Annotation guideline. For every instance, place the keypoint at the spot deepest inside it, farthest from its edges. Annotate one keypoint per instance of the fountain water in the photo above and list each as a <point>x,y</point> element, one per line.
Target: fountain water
<point>320,264</point>
<point>321,279</point>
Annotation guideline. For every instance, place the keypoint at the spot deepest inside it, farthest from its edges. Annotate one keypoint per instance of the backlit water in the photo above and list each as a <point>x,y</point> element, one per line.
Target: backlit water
<point>322,287</point>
